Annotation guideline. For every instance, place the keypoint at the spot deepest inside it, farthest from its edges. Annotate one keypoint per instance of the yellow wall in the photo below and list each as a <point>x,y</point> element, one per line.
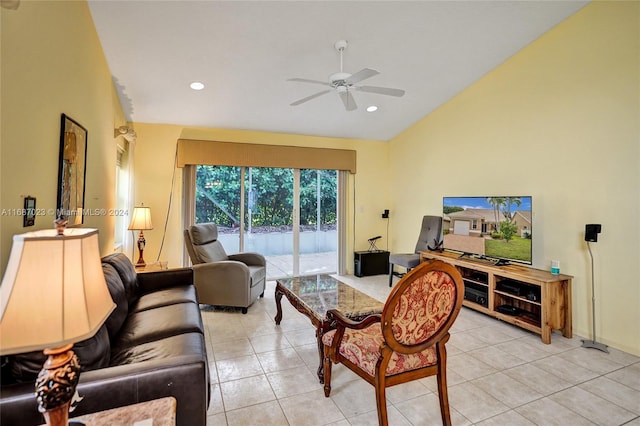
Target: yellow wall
<point>559,121</point>
<point>53,63</point>
<point>154,169</point>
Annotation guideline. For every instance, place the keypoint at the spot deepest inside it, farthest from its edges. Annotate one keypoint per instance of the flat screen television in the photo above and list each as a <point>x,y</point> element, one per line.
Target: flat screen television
<point>492,229</point>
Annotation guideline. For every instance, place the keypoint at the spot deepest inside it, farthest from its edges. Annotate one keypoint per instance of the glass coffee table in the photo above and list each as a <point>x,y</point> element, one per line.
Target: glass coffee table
<point>314,295</point>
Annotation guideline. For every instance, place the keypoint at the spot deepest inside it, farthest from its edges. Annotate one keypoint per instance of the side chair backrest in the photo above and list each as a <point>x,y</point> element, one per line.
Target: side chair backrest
<point>422,307</point>
<point>430,233</point>
<point>203,245</point>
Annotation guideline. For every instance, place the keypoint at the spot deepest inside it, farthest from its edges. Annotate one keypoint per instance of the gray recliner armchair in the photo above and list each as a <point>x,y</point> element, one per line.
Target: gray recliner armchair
<point>221,279</point>
<point>430,236</point>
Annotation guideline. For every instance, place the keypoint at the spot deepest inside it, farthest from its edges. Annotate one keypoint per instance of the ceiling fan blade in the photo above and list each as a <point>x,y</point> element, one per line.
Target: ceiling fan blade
<point>348,101</point>
<point>361,75</point>
<point>308,98</point>
<point>306,80</point>
<point>381,90</point>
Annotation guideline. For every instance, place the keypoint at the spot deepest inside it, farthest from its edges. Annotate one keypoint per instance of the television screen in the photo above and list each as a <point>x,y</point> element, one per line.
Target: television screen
<point>494,228</point>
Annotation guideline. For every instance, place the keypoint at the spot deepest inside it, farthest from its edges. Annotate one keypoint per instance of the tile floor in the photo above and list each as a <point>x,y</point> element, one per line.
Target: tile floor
<point>498,374</point>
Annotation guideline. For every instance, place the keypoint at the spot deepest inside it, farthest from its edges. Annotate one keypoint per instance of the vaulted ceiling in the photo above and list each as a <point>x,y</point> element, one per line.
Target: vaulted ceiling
<point>244,53</point>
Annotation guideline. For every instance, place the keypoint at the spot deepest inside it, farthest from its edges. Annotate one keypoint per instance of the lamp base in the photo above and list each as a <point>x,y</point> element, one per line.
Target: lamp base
<point>141,244</point>
<point>56,384</point>
<point>140,263</point>
<point>57,416</point>
<point>594,345</point>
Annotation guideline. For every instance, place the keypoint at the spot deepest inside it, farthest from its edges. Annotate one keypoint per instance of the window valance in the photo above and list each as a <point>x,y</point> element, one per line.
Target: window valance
<point>216,153</point>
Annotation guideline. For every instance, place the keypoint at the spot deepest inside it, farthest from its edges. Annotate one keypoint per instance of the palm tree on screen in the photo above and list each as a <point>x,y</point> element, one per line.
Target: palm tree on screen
<point>509,201</point>
<point>496,202</point>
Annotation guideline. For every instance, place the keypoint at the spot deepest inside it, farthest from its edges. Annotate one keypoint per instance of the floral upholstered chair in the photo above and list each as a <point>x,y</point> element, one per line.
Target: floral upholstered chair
<point>406,342</point>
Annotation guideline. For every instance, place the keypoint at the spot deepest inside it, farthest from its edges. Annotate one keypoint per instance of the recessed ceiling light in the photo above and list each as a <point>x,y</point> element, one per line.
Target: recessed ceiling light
<point>196,85</point>
<point>372,108</point>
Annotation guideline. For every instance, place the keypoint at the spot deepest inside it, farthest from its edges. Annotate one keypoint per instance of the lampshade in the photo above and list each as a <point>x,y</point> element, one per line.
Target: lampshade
<point>53,292</point>
<point>141,219</point>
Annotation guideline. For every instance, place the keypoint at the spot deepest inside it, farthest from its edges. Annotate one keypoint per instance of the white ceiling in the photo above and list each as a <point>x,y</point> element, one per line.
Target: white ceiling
<point>245,51</point>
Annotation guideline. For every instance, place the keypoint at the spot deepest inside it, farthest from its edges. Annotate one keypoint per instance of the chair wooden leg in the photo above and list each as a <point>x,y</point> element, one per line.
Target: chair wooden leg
<point>443,394</point>
<point>381,402</point>
<point>327,372</point>
<point>390,274</point>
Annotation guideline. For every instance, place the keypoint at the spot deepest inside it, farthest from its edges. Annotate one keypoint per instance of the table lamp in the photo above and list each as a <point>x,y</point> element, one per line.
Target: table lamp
<point>141,221</point>
<point>53,294</point>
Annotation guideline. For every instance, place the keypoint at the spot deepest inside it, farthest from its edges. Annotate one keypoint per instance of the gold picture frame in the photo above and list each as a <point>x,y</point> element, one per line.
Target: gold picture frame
<point>72,170</point>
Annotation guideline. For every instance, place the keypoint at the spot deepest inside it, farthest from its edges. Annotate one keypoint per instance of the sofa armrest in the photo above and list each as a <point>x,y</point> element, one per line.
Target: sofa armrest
<point>249,258</point>
<point>152,281</point>
<point>185,378</point>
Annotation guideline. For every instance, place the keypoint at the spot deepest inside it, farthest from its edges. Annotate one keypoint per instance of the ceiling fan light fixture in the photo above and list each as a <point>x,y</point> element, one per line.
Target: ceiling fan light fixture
<point>338,78</point>
<point>197,85</point>
<point>372,108</point>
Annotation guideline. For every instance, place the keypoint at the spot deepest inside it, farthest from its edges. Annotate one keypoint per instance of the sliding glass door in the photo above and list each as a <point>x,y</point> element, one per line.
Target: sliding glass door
<point>318,221</point>
<point>269,218</point>
<point>288,215</point>
<point>217,200</point>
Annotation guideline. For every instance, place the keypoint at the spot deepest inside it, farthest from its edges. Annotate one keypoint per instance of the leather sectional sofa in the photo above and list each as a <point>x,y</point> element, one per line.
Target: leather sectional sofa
<point>151,346</point>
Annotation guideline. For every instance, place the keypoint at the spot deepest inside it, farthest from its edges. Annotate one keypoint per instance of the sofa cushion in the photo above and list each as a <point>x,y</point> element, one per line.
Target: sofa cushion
<point>118,294</point>
<point>182,344</point>
<point>158,323</point>
<point>127,273</point>
<point>152,281</point>
<point>170,296</point>
<point>95,352</point>
<point>92,353</point>
<point>25,367</point>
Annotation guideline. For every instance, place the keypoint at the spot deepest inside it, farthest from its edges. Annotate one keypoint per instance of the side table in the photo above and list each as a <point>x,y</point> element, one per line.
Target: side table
<point>157,412</point>
<point>152,267</point>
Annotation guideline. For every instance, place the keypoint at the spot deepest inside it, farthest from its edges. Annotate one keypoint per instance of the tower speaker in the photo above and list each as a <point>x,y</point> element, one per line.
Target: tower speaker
<point>591,232</point>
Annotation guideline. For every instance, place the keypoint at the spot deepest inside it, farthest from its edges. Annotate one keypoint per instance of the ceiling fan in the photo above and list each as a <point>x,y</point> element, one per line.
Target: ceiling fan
<point>344,83</point>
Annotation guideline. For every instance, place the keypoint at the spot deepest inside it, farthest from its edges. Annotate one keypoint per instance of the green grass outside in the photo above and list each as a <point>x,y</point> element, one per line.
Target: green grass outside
<point>518,249</point>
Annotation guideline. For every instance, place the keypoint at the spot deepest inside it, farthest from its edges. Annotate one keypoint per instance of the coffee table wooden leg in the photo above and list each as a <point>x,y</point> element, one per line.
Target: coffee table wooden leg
<point>278,295</point>
<point>319,333</point>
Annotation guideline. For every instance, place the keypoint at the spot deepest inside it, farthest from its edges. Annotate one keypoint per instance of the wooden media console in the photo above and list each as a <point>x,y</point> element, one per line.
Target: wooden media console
<point>533,299</point>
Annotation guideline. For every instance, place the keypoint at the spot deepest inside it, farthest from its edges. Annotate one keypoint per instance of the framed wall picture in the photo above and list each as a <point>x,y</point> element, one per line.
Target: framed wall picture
<point>72,168</point>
